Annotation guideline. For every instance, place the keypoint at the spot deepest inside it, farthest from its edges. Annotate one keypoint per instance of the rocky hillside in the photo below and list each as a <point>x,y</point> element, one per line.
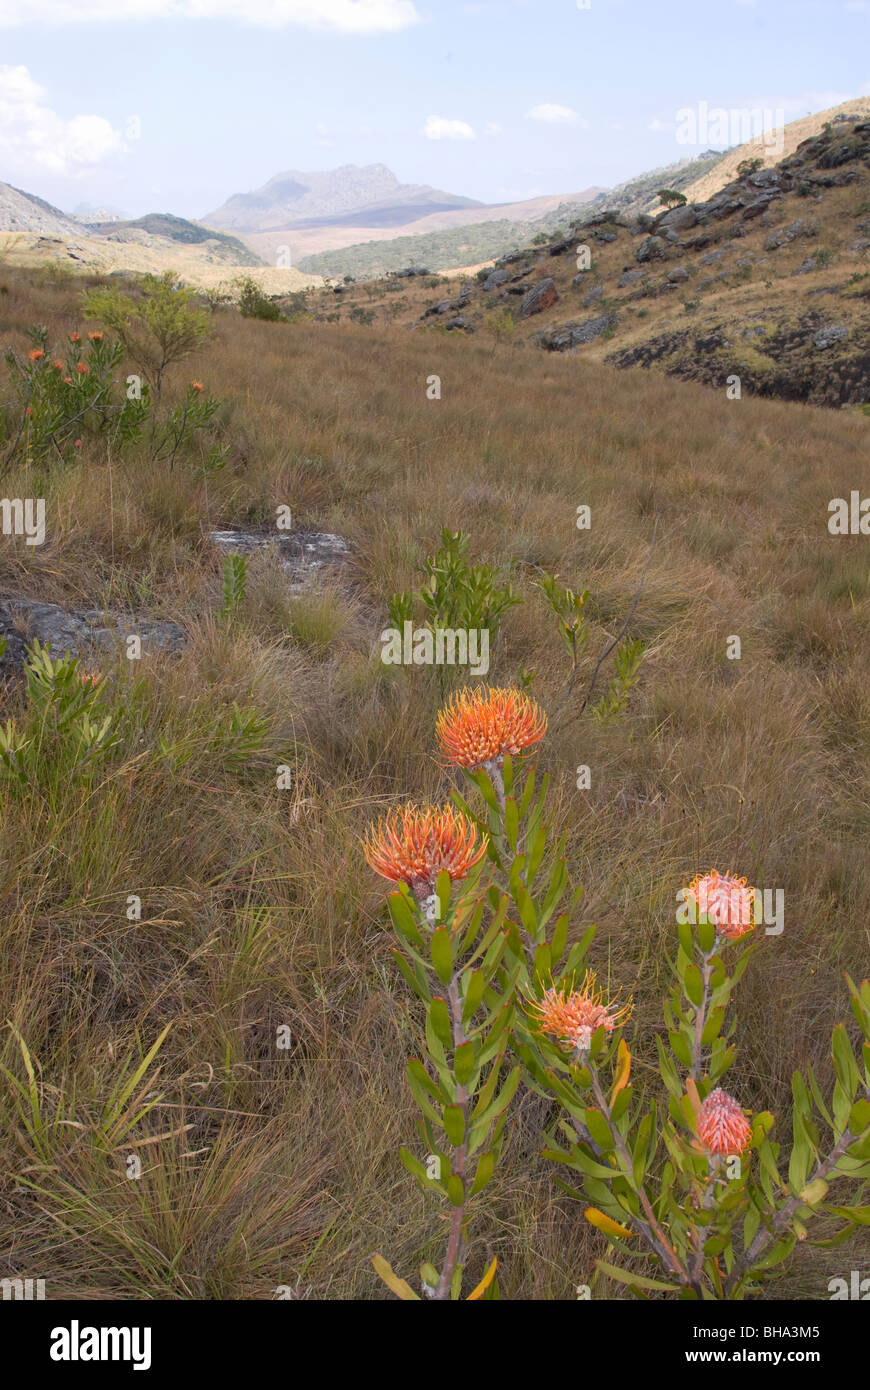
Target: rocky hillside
<point>768,280</point>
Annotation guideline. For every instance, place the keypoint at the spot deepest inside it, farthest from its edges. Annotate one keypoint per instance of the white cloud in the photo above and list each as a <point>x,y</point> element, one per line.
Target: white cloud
<point>439,128</point>
<point>341,16</point>
<point>555,115</point>
<point>32,135</point>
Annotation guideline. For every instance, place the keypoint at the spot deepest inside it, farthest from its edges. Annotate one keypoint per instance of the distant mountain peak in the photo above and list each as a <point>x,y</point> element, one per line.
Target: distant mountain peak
<point>299,198</point>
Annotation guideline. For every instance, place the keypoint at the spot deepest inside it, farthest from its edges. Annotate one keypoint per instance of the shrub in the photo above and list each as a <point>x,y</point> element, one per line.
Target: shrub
<point>59,398</point>
<point>159,327</point>
<point>254,304</point>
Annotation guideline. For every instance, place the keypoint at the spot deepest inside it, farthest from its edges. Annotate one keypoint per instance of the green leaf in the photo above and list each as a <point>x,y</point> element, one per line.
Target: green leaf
<point>454,1124</point>
<point>680,1048</point>
<point>511,823</point>
<point>456,1190</point>
<point>442,954</point>
<point>403,918</point>
<point>543,964</point>
<point>694,985</point>
<point>440,1020</point>
<point>706,935</point>
<point>485,1168</point>
<point>474,982</point>
<point>418,1171</point>
<point>859,1117</point>
<point>464,1063</point>
<point>417,982</point>
<point>598,1128</point>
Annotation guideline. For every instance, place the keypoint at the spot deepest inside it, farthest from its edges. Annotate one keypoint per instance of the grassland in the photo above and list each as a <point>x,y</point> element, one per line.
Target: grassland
<point>264,1167</point>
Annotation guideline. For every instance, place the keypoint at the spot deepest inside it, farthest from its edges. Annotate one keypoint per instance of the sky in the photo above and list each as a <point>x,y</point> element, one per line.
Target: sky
<point>174,105</point>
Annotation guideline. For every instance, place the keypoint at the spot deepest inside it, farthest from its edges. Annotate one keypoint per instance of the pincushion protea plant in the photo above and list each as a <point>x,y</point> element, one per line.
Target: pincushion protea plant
<point>692,1183</point>
<point>414,844</point>
<point>713,1209</point>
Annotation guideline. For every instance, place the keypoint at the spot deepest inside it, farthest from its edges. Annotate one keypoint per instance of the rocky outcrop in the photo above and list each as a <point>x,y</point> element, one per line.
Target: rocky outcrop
<point>78,632</point>
<point>541,296</point>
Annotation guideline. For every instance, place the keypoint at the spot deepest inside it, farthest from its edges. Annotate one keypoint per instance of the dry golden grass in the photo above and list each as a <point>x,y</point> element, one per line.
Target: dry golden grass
<point>264,1167</point>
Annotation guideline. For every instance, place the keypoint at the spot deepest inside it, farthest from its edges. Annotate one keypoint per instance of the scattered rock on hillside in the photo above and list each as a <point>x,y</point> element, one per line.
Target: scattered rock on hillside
<point>826,337</point>
<point>496,278</point>
<point>678,275</point>
<point>593,295</point>
<point>680,219</point>
<point>78,632</point>
<point>541,296</point>
<point>569,335</point>
<point>651,248</point>
<point>303,554</point>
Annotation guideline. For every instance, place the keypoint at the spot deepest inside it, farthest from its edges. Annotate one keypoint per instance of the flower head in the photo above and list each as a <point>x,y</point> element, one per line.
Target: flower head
<point>95,337</point>
<point>82,367</point>
<point>75,337</point>
<point>573,1015</point>
<point>77,443</point>
<point>35,354</point>
<point>481,725</point>
<point>726,900</point>
<point>414,844</point>
<point>58,365</point>
<point>722,1126</point>
<point>197,386</point>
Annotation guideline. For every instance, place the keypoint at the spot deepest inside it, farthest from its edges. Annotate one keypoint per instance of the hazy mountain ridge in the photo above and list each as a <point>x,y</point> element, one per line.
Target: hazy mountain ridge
<point>296,198</point>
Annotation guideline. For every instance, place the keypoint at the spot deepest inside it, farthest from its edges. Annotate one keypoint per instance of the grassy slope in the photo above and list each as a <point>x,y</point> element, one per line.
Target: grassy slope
<point>257,908</point>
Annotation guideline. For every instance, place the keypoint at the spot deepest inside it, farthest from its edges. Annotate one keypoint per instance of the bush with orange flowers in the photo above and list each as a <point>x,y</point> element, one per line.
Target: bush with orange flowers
<point>689,1191</point>
<point>58,398</point>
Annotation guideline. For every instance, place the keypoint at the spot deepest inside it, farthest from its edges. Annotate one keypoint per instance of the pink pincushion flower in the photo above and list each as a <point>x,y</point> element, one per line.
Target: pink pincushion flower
<point>722,1126</point>
<point>726,900</point>
<point>573,1015</point>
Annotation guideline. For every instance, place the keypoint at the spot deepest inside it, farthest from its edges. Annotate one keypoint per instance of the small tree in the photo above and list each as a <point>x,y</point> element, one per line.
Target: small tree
<point>748,166</point>
<point>671,198</point>
<point>158,328</point>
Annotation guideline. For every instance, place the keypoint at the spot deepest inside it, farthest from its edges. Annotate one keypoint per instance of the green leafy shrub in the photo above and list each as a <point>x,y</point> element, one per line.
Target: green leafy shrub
<point>158,326</point>
<point>61,395</point>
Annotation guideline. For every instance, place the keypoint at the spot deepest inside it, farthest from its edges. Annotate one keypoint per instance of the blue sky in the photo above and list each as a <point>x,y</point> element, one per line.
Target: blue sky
<point>172,105</point>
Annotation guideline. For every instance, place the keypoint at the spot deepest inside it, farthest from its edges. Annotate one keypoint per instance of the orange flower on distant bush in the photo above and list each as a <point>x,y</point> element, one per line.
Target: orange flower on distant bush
<point>573,1015</point>
<point>35,354</point>
<point>82,367</point>
<point>722,1126</point>
<point>413,844</point>
<point>197,386</point>
<point>726,900</point>
<point>95,337</point>
<point>481,725</point>
<point>75,337</point>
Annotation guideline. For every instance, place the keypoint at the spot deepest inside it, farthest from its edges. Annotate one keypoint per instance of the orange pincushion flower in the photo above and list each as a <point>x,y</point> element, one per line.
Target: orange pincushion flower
<point>480,726</point>
<point>573,1015</point>
<point>35,354</point>
<point>413,844</point>
<point>197,386</point>
<point>75,337</point>
<point>726,900</point>
<point>722,1126</point>
<point>82,367</point>
<point>95,337</point>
